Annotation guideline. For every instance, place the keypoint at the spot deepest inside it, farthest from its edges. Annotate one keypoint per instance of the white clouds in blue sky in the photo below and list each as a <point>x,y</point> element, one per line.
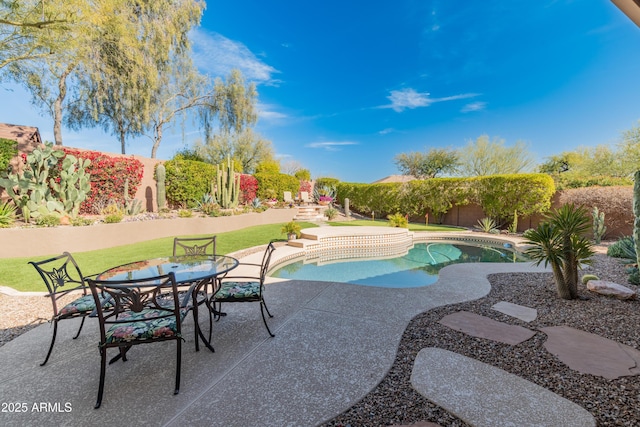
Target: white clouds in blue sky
<point>217,55</point>
<point>410,98</point>
<point>331,145</point>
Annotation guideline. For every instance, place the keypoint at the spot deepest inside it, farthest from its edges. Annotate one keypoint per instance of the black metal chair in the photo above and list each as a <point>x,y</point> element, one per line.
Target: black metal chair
<point>197,246</point>
<point>62,275</point>
<point>201,246</point>
<point>140,314</point>
<point>246,288</point>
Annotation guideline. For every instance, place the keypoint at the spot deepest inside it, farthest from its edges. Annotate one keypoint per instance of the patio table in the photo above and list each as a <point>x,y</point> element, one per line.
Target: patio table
<point>195,271</point>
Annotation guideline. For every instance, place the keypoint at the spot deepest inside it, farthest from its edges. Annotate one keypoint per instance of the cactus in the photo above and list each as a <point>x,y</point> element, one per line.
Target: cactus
<point>73,186</point>
<point>131,206</point>
<point>160,187</point>
<point>227,190</point>
<point>599,229</point>
<point>636,214</point>
<point>30,189</point>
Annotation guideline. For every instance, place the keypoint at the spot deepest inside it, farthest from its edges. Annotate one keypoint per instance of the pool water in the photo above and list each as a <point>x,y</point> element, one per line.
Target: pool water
<point>419,267</point>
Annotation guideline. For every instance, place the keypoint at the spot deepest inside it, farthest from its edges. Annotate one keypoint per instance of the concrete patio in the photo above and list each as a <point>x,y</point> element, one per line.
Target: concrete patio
<point>334,342</point>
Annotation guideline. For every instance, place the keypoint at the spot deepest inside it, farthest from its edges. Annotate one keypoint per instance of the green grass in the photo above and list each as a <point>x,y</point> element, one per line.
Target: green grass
<point>412,225</point>
<point>17,274</point>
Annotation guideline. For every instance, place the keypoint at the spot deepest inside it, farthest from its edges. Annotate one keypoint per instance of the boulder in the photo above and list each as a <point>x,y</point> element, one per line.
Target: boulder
<point>610,288</point>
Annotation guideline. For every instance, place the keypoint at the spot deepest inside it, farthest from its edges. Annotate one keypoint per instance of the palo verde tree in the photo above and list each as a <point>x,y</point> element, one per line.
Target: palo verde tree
<point>560,242</point>
<point>436,161</point>
<point>484,157</point>
<point>229,125</point>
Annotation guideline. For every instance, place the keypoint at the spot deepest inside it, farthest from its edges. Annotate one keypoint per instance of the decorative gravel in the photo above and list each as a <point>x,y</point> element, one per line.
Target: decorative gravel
<point>612,402</point>
<point>393,401</point>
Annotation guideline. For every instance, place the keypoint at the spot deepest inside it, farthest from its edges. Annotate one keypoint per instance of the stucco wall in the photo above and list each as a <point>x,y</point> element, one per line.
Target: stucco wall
<point>31,242</point>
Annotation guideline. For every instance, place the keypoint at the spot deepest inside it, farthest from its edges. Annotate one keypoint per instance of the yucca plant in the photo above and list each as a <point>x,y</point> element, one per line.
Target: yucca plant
<point>559,242</point>
<point>487,225</point>
<point>7,214</point>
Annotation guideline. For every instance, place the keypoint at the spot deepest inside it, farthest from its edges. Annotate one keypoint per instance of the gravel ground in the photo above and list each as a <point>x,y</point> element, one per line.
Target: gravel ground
<point>393,401</point>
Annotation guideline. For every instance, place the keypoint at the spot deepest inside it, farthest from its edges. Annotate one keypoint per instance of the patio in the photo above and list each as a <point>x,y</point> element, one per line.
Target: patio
<point>334,343</point>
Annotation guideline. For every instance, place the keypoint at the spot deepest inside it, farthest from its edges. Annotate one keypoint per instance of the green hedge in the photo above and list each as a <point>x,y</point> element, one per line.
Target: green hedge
<point>8,150</point>
<point>329,182</point>
<point>278,182</point>
<point>498,195</point>
<point>187,181</point>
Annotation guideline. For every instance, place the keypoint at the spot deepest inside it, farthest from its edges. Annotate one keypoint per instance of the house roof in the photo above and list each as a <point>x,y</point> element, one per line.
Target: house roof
<point>26,136</point>
<point>631,8</point>
<point>395,178</point>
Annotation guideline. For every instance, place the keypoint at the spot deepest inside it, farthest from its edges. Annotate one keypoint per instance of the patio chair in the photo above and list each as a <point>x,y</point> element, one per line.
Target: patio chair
<point>62,276</point>
<point>288,198</point>
<point>197,246</point>
<point>139,316</point>
<point>247,287</point>
<point>304,197</point>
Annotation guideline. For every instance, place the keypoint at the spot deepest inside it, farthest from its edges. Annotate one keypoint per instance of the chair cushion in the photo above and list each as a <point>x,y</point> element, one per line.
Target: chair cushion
<point>85,304</point>
<point>140,329</point>
<point>237,291</point>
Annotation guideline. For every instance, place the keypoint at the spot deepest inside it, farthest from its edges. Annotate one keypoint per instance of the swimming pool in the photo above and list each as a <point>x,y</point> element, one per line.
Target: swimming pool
<point>418,267</point>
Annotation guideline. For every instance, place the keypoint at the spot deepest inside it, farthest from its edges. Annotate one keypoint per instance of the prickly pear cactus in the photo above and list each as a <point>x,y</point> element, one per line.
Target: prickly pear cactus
<point>161,192</point>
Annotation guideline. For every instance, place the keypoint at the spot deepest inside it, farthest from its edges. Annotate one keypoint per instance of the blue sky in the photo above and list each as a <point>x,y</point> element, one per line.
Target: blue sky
<point>344,86</point>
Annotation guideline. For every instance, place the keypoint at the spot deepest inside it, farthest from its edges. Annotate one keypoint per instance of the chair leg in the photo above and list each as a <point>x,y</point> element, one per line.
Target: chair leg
<point>178,365</point>
<point>80,328</point>
<point>103,367</point>
<point>263,307</point>
<point>53,341</point>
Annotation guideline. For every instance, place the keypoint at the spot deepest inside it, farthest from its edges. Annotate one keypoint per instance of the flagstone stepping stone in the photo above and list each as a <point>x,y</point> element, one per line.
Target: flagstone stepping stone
<point>484,327</point>
<point>521,312</point>
<point>485,396</point>
<point>592,354</point>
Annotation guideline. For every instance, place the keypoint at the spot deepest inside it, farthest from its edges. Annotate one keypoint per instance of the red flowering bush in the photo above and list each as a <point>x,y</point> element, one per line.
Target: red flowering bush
<point>248,188</point>
<point>108,177</point>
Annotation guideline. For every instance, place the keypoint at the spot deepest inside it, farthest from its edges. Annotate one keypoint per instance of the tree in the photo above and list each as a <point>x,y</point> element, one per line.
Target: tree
<point>427,165</point>
<point>235,114</point>
<point>559,241</point>
<point>484,157</point>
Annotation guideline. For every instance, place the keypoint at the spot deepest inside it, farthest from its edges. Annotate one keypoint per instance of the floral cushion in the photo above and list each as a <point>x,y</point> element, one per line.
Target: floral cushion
<point>140,329</point>
<point>84,304</point>
<point>238,291</point>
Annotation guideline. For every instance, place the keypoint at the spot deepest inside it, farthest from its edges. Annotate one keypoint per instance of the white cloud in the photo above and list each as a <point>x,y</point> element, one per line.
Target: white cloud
<point>331,145</point>
<point>386,131</point>
<point>410,98</point>
<point>474,106</point>
<point>267,112</point>
<point>217,55</point>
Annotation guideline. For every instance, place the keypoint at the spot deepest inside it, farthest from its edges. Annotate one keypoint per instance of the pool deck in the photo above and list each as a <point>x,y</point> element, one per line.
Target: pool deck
<point>334,343</point>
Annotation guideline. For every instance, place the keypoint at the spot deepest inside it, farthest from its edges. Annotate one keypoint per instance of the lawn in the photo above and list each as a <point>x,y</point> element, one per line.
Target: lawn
<point>16,273</point>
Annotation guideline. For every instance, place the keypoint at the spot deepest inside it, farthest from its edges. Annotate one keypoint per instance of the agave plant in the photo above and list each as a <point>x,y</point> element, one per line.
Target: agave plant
<point>7,214</point>
<point>559,242</point>
<point>487,225</point>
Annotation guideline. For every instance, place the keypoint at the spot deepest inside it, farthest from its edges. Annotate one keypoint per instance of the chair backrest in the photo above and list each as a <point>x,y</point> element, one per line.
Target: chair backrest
<point>304,196</point>
<point>194,246</point>
<point>150,300</point>
<point>287,196</point>
<point>266,259</point>
<point>60,273</point>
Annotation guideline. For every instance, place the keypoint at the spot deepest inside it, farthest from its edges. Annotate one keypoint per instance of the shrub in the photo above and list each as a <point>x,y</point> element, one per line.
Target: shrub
<point>80,221</point>
<point>331,213</point>
<point>623,248</point>
<point>398,220</point>
<point>113,213</point>
<point>7,214</point>
<point>487,225</point>
<point>108,177</point>
<point>326,182</point>
<point>187,180</point>
<point>49,220</point>
<point>615,202</point>
<point>8,150</point>
<point>185,213</point>
<point>248,188</point>
<point>277,182</point>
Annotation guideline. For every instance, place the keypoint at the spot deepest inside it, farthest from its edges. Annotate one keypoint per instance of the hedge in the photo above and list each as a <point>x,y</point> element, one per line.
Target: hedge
<point>8,150</point>
<point>498,195</point>
<point>278,182</point>
<point>187,181</point>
